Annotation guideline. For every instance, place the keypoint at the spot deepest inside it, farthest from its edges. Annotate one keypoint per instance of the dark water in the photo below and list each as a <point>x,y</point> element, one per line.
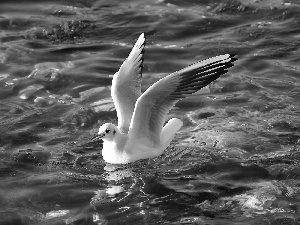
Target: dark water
<point>235,161</point>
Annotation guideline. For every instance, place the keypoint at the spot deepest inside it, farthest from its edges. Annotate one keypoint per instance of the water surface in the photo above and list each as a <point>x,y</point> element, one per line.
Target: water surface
<point>236,159</point>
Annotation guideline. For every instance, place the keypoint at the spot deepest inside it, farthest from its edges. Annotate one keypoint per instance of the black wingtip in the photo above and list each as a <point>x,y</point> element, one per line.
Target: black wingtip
<point>233,57</point>
<point>143,55</point>
<point>195,78</point>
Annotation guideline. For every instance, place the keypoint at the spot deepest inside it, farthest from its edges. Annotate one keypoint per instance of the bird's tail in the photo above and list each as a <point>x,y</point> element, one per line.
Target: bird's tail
<point>169,130</point>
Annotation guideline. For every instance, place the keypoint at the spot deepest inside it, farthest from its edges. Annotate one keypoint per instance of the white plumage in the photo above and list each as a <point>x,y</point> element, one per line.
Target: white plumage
<point>140,133</point>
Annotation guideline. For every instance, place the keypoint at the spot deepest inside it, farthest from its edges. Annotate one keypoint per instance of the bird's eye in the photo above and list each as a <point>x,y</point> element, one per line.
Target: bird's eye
<point>107,131</point>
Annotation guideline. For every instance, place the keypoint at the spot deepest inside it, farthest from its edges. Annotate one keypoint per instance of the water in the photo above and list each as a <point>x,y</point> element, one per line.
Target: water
<point>236,159</point>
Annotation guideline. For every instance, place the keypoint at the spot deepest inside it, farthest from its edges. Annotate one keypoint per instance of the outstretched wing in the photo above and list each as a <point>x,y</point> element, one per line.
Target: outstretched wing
<point>126,84</point>
<point>154,104</point>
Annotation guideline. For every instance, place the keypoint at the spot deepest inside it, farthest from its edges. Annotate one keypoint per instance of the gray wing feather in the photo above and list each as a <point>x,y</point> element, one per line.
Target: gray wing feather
<point>154,104</point>
<point>126,85</point>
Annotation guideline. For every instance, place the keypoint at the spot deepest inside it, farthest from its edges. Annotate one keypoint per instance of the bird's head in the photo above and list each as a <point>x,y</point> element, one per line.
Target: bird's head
<point>107,131</point>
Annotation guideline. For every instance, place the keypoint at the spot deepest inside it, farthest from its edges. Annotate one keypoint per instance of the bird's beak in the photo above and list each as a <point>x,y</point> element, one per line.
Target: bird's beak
<point>97,137</point>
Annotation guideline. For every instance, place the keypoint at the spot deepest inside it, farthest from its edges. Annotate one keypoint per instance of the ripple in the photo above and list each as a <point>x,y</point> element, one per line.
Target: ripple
<point>236,159</point>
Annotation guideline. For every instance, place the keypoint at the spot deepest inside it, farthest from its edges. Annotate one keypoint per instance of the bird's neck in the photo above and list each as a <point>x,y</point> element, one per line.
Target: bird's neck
<point>117,143</point>
<point>113,150</point>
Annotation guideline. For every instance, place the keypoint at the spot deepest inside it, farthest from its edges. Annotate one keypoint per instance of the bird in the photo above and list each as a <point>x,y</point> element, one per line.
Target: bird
<point>141,133</point>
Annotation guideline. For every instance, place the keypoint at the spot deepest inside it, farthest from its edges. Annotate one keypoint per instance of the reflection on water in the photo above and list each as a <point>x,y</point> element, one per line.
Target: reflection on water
<point>236,159</point>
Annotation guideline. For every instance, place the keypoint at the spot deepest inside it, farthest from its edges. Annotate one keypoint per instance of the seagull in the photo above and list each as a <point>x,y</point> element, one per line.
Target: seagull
<point>141,133</point>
